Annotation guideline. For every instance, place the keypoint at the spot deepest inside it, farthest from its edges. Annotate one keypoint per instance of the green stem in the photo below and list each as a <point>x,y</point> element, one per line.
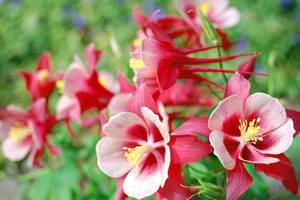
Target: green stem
<point>202,172</point>
<point>26,177</point>
<point>221,64</point>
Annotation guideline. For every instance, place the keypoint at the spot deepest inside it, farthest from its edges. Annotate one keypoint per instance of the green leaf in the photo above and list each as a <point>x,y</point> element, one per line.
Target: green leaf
<point>208,28</point>
<point>258,187</point>
<point>59,184</point>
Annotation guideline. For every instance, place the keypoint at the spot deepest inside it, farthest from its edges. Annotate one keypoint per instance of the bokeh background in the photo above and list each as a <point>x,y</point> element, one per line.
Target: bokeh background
<point>65,27</point>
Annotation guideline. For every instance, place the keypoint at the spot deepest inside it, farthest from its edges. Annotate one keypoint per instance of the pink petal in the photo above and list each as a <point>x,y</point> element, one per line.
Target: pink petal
<point>216,141</point>
<point>238,85</point>
<point>125,85</point>
<point>74,78</point>
<point>38,109</point>
<point>229,18</point>
<point>173,187</point>
<point>238,181</point>
<point>112,85</point>
<point>270,111</point>
<point>163,114</point>
<point>89,121</point>
<point>103,121</point>
<point>277,140</point>
<point>143,181</point>
<point>92,56</point>
<point>218,6</point>
<point>150,117</point>
<point>227,108</point>
<point>123,126</point>
<point>141,98</point>
<point>147,75</point>
<point>111,157</point>
<point>118,103</point>
<point>282,171</point>
<point>120,195</point>
<point>197,126</point>
<point>68,107</point>
<point>138,17</point>
<point>16,150</point>
<point>153,52</point>
<point>295,116</point>
<point>250,155</point>
<point>188,149</point>
<point>8,116</point>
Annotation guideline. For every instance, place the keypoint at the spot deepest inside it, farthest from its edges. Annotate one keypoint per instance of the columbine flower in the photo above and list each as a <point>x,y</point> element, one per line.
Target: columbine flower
<point>216,11</point>
<point>26,132</point>
<point>173,26</point>
<point>137,149</point>
<point>251,129</point>
<point>41,82</point>
<point>82,89</point>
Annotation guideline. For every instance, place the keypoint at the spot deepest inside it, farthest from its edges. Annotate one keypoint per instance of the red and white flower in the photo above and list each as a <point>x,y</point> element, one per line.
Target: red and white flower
<point>82,89</point>
<point>137,149</point>
<point>41,82</point>
<point>252,129</point>
<point>25,133</point>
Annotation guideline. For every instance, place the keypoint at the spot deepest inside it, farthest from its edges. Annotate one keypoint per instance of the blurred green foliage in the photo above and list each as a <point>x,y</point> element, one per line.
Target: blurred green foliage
<point>65,27</point>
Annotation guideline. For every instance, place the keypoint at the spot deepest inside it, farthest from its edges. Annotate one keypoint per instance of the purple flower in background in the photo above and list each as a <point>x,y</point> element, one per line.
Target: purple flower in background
<point>285,4</point>
<point>17,2</point>
<point>67,11</point>
<point>149,6</point>
<point>242,45</point>
<point>78,22</point>
<point>296,18</point>
<point>296,40</point>
<point>259,69</point>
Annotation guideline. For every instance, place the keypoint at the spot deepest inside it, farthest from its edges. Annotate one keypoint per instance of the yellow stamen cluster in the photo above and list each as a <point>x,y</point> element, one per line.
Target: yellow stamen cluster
<point>60,86</point>
<point>251,132</point>
<point>103,81</point>
<point>18,133</point>
<point>134,155</point>
<point>136,63</point>
<point>43,74</point>
<point>137,42</point>
<point>204,8</point>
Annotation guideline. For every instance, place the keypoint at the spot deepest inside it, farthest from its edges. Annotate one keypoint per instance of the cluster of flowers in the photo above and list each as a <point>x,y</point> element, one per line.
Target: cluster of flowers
<point>138,145</point>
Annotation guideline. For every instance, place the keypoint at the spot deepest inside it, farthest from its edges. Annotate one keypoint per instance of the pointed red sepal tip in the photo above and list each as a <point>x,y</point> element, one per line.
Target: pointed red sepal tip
<point>44,62</point>
<point>125,85</point>
<point>92,56</point>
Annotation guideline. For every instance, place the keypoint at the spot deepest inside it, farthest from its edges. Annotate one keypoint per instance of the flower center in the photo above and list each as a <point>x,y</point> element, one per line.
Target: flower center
<point>136,63</point>
<point>204,8</point>
<point>134,155</point>
<point>43,74</point>
<point>251,132</point>
<point>103,81</point>
<point>60,85</point>
<point>137,42</point>
<point>18,133</point>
